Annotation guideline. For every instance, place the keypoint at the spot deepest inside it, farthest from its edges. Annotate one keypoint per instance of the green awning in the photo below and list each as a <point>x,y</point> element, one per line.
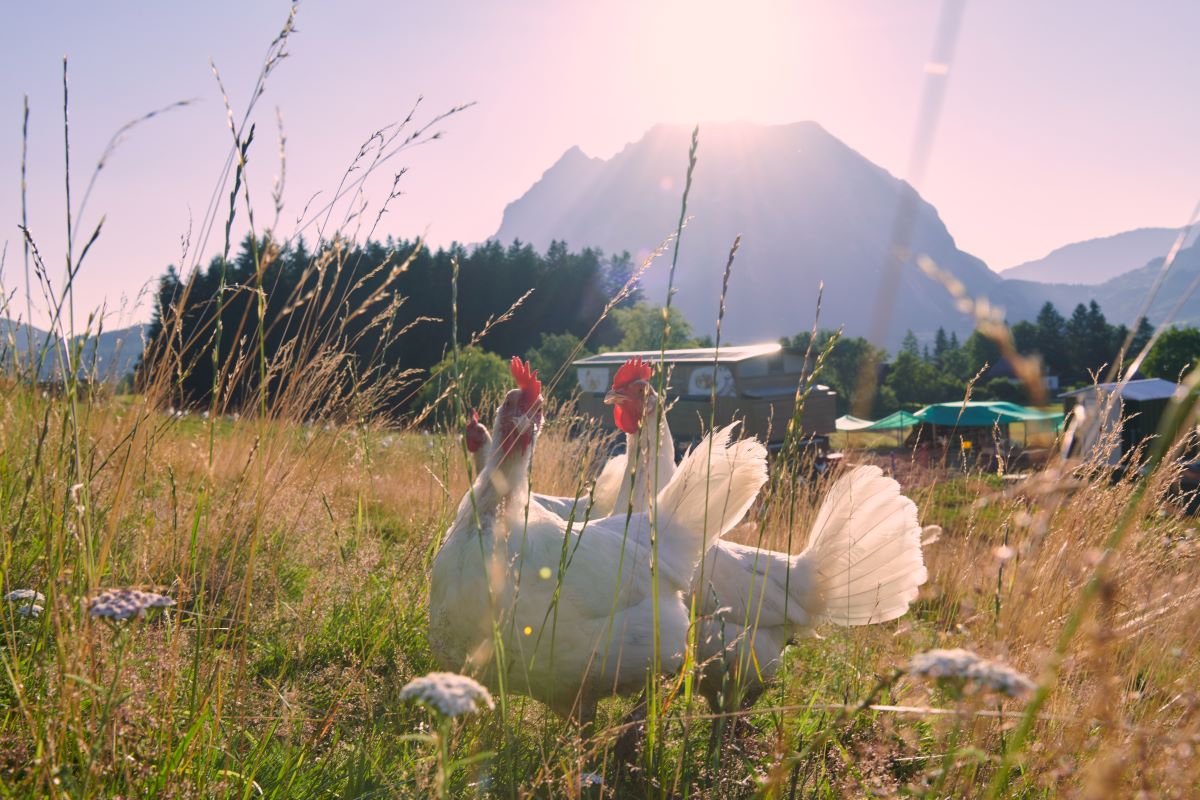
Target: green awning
<point>979,414</point>
<point>898,420</point>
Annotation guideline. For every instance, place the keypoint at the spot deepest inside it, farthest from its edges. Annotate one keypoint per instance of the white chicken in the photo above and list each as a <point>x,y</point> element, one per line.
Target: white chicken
<point>863,563</point>
<point>570,614</point>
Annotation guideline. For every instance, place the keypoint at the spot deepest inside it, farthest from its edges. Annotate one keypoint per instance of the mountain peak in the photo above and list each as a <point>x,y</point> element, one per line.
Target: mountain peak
<point>808,207</point>
<point>574,153</point>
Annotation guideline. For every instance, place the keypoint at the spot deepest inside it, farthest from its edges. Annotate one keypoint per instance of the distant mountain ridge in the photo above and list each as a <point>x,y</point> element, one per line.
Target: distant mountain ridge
<point>114,353</point>
<point>810,210</point>
<point>1095,261</point>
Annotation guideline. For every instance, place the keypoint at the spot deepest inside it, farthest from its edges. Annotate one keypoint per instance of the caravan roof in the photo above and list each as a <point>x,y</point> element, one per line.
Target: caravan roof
<point>727,355</point>
<point>1137,391</point>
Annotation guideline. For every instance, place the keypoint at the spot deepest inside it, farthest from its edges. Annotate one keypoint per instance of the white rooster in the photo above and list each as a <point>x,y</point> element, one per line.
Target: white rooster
<point>863,563</point>
<point>570,614</point>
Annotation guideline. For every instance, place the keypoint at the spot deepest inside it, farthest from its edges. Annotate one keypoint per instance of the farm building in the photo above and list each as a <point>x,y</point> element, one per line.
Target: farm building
<point>753,383</point>
<point>1120,416</point>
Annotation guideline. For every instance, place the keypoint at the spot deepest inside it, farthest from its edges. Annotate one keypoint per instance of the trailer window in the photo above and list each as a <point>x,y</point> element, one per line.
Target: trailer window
<point>753,368</point>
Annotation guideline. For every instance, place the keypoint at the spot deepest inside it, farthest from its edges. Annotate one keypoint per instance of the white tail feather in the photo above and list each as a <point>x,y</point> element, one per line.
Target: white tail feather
<point>865,552</point>
<point>608,486</point>
<point>711,490</point>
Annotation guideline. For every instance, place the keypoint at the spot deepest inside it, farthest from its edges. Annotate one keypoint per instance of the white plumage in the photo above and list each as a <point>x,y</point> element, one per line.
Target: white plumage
<point>863,564</point>
<point>587,628</point>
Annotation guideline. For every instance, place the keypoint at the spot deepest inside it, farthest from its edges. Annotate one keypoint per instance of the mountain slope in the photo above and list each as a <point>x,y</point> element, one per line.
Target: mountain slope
<point>1122,297</point>
<point>809,209</point>
<point>1095,261</point>
<point>113,354</point>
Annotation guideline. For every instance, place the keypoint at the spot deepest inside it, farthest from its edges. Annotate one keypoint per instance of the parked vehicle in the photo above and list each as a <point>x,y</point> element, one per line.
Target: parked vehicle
<point>754,383</point>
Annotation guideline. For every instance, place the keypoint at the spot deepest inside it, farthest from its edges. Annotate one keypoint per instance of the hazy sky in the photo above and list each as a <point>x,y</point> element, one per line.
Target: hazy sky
<point>1063,121</point>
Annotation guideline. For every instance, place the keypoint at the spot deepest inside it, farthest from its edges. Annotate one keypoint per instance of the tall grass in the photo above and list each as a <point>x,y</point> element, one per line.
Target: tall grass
<point>298,553</point>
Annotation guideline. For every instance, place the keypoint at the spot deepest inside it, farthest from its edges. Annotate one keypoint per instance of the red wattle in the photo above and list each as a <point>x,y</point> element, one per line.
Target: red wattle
<point>628,420</point>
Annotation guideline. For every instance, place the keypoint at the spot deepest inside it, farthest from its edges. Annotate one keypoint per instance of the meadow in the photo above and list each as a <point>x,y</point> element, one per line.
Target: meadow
<point>298,556</point>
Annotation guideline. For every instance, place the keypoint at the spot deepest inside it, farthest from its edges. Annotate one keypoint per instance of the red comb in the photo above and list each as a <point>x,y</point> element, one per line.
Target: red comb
<point>527,380</point>
<point>474,416</point>
<point>632,370</point>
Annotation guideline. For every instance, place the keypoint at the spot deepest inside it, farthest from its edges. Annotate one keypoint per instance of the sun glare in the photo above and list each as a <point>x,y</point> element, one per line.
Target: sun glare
<point>720,61</point>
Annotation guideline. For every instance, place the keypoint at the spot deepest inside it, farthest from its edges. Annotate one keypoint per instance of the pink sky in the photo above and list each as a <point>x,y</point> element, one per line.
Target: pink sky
<point>1063,121</point>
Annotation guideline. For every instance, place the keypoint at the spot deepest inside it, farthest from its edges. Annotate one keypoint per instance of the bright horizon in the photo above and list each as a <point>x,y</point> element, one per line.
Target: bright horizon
<point>1060,122</point>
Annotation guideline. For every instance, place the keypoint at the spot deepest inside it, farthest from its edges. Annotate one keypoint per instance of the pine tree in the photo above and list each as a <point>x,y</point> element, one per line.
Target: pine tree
<point>1051,340</point>
<point>940,344</point>
<point>1141,337</point>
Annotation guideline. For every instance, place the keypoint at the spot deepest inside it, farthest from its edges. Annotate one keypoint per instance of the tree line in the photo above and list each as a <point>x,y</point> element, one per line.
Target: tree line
<point>1071,349</point>
<point>392,308</point>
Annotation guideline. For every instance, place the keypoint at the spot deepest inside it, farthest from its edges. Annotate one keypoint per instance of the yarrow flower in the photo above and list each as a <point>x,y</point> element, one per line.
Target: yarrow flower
<point>448,693</point>
<point>968,667</point>
<point>33,607</point>
<point>17,595</point>
<point>126,603</point>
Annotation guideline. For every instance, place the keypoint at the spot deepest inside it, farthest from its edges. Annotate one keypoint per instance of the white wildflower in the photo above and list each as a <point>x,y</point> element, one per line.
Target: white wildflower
<point>17,595</point>
<point>126,603</point>
<point>968,667</point>
<point>448,693</point>
<point>30,610</point>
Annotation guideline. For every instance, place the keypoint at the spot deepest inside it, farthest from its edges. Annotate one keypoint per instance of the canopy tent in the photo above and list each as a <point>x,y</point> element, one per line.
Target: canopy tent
<point>980,414</point>
<point>892,422</point>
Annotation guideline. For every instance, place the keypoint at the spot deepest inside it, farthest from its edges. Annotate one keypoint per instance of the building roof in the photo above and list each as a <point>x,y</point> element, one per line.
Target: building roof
<point>727,355</point>
<point>1137,391</point>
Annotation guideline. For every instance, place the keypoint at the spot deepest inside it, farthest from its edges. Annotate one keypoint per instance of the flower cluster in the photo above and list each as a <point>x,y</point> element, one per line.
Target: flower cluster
<point>968,667</point>
<point>31,601</point>
<point>126,603</point>
<point>448,693</point>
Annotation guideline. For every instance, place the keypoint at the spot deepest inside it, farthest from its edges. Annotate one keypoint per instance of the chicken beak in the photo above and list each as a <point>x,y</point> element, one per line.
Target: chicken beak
<point>613,397</point>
